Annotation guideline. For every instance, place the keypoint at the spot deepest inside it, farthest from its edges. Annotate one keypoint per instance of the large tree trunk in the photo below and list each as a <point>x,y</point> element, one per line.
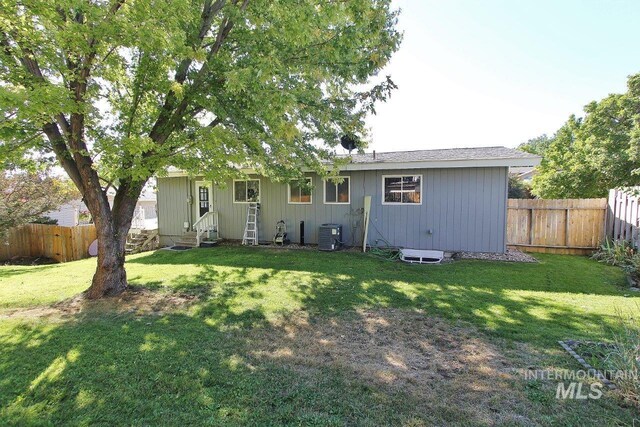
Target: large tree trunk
<point>112,227</point>
<point>110,277</point>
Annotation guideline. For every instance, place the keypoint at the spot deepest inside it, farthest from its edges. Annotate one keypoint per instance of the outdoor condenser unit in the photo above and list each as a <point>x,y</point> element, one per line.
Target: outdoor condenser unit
<point>330,237</point>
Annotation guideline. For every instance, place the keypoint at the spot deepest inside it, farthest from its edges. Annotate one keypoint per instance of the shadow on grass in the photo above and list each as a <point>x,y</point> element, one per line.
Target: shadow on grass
<point>199,366</point>
<point>11,270</point>
<point>475,291</point>
<point>210,368</point>
<point>557,273</point>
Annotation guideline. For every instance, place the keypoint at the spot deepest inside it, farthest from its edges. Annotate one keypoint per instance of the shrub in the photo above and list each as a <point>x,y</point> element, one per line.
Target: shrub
<point>633,267</point>
<point>617,252</point>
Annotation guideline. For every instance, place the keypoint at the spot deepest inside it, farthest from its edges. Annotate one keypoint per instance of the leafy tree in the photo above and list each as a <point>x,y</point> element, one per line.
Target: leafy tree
<point>590,155</point>
<point>537,145</point>
<point>117,90</point>
<point>518,189</point>
<point>25,197</point>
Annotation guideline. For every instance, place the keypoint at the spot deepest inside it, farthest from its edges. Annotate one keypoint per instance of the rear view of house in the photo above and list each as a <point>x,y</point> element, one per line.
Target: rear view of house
<point>450,200</point>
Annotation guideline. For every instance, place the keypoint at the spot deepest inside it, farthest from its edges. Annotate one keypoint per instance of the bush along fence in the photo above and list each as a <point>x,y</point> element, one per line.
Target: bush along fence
<point>52,241</point>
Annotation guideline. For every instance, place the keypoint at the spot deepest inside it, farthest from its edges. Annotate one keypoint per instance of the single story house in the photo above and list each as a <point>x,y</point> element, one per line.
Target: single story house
<point>447,199</point>
<point>76,212</point>
<point>68,215</point>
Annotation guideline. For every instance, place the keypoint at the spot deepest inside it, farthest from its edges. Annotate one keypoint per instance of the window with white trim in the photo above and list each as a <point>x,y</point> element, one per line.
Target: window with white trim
<point>402,189</point>
<point>337,190</point>
<point>246,191</point>
<point>300,191</point>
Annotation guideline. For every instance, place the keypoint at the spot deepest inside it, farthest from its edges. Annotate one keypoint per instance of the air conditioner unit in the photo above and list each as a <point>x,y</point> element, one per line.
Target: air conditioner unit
<point>330,237</point>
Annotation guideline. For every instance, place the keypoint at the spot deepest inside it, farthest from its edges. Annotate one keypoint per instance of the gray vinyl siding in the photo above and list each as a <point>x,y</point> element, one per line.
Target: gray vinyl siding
<point>464,207</point>
<point>173,209</point>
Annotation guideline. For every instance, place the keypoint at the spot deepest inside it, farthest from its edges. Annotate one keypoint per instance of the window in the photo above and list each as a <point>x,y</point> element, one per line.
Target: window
<point>336,191</point>
<point>300,191</point>
<point>247,191</point>
<point>402,189</point>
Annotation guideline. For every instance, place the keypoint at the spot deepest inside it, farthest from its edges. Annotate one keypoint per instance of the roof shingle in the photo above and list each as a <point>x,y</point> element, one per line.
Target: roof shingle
<point>448,154</point>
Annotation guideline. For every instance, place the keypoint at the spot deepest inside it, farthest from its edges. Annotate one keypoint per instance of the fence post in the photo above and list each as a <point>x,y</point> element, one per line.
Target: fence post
<point>566,227</point>
<point>610,214</point>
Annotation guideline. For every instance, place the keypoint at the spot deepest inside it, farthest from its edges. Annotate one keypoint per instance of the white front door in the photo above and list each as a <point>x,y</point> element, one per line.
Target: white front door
<point>204,193</point>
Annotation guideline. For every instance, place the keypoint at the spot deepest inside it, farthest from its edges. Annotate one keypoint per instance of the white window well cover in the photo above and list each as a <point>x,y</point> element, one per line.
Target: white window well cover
<point>419,256</point>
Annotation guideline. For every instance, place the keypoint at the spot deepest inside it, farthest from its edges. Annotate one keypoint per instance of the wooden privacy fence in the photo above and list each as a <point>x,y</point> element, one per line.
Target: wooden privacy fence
<point>60,243</point>
<point>568,226</point>
<point>622,216</point>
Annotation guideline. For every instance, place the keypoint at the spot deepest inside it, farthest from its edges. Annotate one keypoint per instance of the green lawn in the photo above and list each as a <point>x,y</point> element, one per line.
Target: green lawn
<point>220,360</point>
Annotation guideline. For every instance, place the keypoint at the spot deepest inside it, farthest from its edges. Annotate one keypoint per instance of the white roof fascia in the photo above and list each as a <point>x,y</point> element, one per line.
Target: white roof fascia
<point>426,164</point>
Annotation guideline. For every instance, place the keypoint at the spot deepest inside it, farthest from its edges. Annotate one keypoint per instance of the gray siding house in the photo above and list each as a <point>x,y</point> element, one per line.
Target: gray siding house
<point>450,200</point>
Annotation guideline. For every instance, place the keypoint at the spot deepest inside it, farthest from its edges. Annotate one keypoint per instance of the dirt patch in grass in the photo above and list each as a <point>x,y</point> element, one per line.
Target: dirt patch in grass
<point>134,300</point>
<point>451,371</point>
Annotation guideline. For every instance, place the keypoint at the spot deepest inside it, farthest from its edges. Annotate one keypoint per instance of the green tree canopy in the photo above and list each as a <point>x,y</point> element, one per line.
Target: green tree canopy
<point>117,90</point>
<point>27,196</point>
<point>537,145</point>
<point>590,155</point>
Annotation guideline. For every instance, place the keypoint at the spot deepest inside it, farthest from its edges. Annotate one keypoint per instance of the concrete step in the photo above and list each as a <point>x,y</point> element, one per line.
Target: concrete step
<point>188,244</point>
<point>188,239</point>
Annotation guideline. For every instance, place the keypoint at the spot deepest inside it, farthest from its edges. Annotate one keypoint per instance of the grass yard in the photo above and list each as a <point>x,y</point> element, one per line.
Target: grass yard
<point>237,336</point>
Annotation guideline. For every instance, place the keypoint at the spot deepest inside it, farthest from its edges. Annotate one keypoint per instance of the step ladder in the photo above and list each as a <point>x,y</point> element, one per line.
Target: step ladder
<point>250,236</point>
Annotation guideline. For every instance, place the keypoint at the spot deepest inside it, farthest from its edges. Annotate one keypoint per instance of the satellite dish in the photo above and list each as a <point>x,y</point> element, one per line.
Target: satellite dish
<point>349,142</point>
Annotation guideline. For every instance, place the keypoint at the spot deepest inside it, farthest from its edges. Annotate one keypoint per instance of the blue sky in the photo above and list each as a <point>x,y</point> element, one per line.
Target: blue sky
<point>497,72</point>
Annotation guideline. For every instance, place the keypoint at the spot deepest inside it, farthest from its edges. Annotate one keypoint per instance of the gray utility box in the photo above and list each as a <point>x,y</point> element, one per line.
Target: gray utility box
<point>330,237</point>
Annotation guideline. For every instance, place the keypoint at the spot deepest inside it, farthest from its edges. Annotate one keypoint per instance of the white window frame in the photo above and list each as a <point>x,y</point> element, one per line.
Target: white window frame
<point>233,190</point>
<point>402,176</point>
<point>310,202</point>
<point>329,180</point>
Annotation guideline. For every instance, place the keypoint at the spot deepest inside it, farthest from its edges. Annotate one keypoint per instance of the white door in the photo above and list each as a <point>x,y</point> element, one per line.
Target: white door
<point>204,193</point>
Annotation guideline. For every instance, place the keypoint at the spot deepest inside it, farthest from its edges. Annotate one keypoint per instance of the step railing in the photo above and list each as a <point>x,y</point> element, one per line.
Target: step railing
<point>207,222</point>
<point>137,222</point>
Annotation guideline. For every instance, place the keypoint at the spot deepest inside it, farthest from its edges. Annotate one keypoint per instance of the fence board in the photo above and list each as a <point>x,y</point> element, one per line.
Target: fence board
<point>623,216</point>
<point>60,243</point>
<point>556,225</point>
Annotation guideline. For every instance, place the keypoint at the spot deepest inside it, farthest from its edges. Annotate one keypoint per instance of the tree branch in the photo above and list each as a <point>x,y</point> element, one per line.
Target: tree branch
<point>171,114</point>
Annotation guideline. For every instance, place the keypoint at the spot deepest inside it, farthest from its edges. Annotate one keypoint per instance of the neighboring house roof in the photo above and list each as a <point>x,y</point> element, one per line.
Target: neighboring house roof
<point>431,159</point>
<point>525,173</point>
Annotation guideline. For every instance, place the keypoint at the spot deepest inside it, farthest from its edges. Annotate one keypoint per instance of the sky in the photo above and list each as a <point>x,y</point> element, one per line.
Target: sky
<point>499,72</point>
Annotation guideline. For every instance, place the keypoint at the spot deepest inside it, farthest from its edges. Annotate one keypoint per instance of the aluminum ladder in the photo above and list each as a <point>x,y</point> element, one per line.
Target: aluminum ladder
<point>250,236</point>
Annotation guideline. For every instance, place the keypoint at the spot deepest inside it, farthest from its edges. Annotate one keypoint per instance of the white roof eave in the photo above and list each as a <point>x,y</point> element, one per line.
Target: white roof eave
<point>426,164</point>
